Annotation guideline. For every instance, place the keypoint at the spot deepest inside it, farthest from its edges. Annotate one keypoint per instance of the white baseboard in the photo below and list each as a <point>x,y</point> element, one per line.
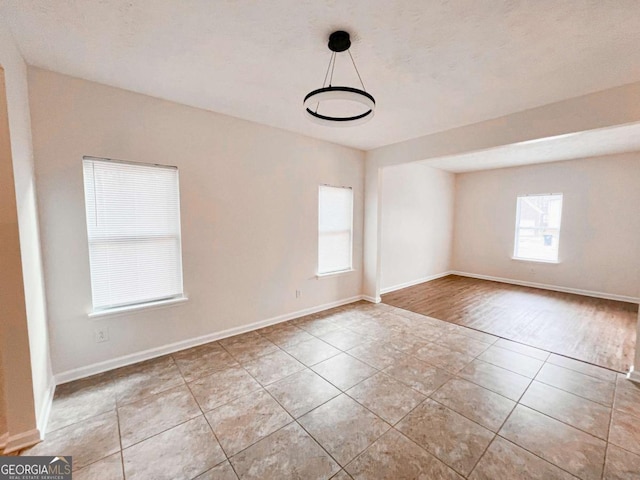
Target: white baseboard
<point>633,375</point>
<point>45,410</point>
<point>372,299</point>
<point>555,288</point>
<point>93,369</point>
<point>22,440</point>
<point>414,282</point>
<point>17,442</point>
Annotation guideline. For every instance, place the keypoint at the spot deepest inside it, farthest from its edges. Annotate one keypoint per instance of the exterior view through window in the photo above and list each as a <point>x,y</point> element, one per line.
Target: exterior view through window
<point>538,219</point>
<point>133,227</point>
<point>335,229</point>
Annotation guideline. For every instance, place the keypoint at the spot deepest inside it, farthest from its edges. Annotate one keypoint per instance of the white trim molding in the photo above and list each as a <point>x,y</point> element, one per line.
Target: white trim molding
<point>22,440</point>
<point>633,375</point>
<point>117,311</point>
<point>334,274</point>
<point>414,282</point>
<point>372,299</point>
<point>93,369</point>
<point>555,288</point>
<point>45,410</point>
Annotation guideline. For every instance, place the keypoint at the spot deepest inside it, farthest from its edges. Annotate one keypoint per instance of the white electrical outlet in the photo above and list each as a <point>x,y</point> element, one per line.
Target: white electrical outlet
<point>298,293</point>
<point>101,334</point>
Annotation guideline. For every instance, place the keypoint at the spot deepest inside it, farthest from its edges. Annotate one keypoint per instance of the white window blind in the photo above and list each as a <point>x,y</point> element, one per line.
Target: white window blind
<point>538,219</point>
<point>335,229</point>
<point>133,225</point>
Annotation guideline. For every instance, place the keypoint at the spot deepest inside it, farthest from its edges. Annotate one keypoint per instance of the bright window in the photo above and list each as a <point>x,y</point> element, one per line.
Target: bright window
<point>538,219</point>
<point>335,229</point>
<point>133,226</point>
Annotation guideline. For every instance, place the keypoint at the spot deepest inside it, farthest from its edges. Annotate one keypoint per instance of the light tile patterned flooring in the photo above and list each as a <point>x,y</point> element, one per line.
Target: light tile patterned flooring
<point>361,391</point>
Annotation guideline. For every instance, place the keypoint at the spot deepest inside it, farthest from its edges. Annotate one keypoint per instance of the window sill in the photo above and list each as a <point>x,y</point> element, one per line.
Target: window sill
<point>335,274</point>
<point>134,308</point>
<point>535,260</point>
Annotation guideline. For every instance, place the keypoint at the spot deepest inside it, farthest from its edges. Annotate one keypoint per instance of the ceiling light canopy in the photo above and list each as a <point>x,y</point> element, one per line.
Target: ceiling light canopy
<point>339,42</point>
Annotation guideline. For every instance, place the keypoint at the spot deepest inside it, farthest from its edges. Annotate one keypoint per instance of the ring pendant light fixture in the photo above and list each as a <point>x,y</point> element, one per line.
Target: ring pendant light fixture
<point>339,42</point>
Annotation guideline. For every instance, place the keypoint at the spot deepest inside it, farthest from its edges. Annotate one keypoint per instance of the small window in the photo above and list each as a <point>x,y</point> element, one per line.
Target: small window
<point>335,229</point>
<point>538,220</point>
<point>133,226</point>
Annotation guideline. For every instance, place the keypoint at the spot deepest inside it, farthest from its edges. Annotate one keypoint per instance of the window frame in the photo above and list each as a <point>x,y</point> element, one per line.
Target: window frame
<point>160,301</point>
<point>517,228</point>
<point>322,274</point>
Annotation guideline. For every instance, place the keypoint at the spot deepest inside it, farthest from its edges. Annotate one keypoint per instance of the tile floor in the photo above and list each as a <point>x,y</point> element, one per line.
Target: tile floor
<point>361,391</point>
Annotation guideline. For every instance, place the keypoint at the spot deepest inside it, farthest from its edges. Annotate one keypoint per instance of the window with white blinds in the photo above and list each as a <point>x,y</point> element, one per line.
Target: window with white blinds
<point>133,225</point>
<point>335,229</point>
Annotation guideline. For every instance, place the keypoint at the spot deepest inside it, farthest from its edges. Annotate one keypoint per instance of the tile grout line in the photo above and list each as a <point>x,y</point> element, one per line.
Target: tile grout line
<point>115,403</point>
<point>48,432</point>
<point>162,390</point>
<point>606,453</point>
<point>322,446</point>
<point>484,452</point>
<point>427,451</point>
<point>121,452</point>
<point>115,410</point>
<point>210,428</point>
<point>294,420</point>
<point>566,424</point>
<point>506,419</point>
<point>563,422</point>
<point>495,434</point>
<point>573,393</point>
<point>536,455</point>
<point>428,397</point>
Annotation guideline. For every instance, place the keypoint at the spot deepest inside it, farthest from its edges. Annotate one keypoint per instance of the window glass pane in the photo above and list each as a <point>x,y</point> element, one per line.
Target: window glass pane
<point>133,228</point>
<point>538,220</point>
<point>335,219</point>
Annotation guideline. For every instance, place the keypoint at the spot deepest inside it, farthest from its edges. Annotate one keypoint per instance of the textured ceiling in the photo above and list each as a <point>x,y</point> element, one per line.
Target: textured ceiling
<point>591,143</point>
<point>432,65</point>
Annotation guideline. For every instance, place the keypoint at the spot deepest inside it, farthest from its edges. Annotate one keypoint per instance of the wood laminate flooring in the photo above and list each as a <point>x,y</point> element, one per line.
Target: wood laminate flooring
<point>594,330</point>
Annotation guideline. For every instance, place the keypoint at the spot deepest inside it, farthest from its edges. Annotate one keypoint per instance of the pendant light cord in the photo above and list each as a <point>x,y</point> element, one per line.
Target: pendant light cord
<point>324,83</point>
<point>333,67</point>
<point>354,66</point>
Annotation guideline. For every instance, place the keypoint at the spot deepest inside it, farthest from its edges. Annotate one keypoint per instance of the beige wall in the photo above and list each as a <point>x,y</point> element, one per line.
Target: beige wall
<point>417,224</point>
<point>27,369</point>
<point>249,214</point>
<point>600,223</point>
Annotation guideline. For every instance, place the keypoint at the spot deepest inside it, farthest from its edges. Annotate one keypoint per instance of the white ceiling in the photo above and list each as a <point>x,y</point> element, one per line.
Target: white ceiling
<point>591,143</point>
<point>432,65</point>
